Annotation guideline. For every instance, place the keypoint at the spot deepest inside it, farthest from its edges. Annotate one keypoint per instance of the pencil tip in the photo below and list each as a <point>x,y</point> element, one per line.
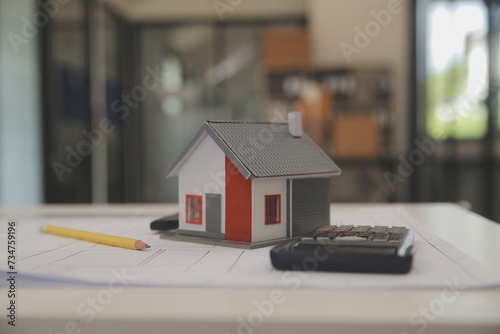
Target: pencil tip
<point>141,245</point>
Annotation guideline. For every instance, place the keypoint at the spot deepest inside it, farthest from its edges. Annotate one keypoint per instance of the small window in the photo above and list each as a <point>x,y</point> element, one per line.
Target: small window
<point>273,209</point>
<point>193,209</point>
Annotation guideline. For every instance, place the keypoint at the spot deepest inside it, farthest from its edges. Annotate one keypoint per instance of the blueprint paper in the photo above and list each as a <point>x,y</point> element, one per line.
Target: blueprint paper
<point>44,259</point>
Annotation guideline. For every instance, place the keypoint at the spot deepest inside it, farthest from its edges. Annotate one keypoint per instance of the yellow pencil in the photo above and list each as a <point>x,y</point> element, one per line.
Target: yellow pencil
<point>95,237</point>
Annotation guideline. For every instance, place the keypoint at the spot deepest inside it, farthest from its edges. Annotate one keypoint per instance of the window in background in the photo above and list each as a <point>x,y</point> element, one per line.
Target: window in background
<point>70,137</point>
<point>21,179</point>
<point>113,93</point>
<point>456,105</point>
<point>66,112</point>
<point>457,69</point>
<point>162,80</point>
<point>172,82</point>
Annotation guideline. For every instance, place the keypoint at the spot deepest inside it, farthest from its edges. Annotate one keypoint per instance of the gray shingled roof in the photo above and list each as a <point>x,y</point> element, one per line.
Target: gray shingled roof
<point>265,150</point>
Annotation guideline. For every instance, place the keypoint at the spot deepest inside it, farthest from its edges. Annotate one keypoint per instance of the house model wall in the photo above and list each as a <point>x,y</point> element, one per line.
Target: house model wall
<point>249,182</point>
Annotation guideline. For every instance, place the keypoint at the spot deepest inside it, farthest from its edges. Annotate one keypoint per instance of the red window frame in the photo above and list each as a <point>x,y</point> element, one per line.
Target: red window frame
<point>272,210</point>
<point>192,208</point>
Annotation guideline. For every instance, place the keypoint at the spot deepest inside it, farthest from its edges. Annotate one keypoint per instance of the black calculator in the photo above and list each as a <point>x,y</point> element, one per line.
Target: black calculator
<point>348,248</point>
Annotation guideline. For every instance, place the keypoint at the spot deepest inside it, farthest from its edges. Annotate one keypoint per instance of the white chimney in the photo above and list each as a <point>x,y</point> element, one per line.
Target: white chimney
<point>295,123</point>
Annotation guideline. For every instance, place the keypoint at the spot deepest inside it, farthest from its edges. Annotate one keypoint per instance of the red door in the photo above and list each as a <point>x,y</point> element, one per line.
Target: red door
<point>238,205</point>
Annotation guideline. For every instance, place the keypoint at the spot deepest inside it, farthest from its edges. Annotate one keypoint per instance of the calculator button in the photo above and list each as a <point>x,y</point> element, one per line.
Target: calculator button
<point>343,228</point>
<point>397,229</point>
<point>379,237</point>
<point>395,237</point>
<point>351,238</point>
<point>326,228</point>
<point>361,228</point>
<point>379,229</point>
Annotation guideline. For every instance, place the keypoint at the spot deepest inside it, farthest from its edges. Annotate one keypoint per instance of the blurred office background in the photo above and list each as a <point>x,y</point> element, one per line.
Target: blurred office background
<point>98,97</point>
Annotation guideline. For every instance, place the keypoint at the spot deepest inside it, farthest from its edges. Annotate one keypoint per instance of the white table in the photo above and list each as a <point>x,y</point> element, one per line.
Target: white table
<point>167,310</point>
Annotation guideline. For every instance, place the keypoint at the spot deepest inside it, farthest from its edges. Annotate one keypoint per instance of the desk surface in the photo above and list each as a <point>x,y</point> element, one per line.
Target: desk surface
<point>159,310</point>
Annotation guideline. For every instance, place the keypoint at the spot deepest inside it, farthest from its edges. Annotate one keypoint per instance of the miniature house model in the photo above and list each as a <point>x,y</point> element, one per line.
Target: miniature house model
<point>252,182</point>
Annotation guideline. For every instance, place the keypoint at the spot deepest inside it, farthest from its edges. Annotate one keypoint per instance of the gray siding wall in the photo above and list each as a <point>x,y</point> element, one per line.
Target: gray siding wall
<point>310,204</point>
